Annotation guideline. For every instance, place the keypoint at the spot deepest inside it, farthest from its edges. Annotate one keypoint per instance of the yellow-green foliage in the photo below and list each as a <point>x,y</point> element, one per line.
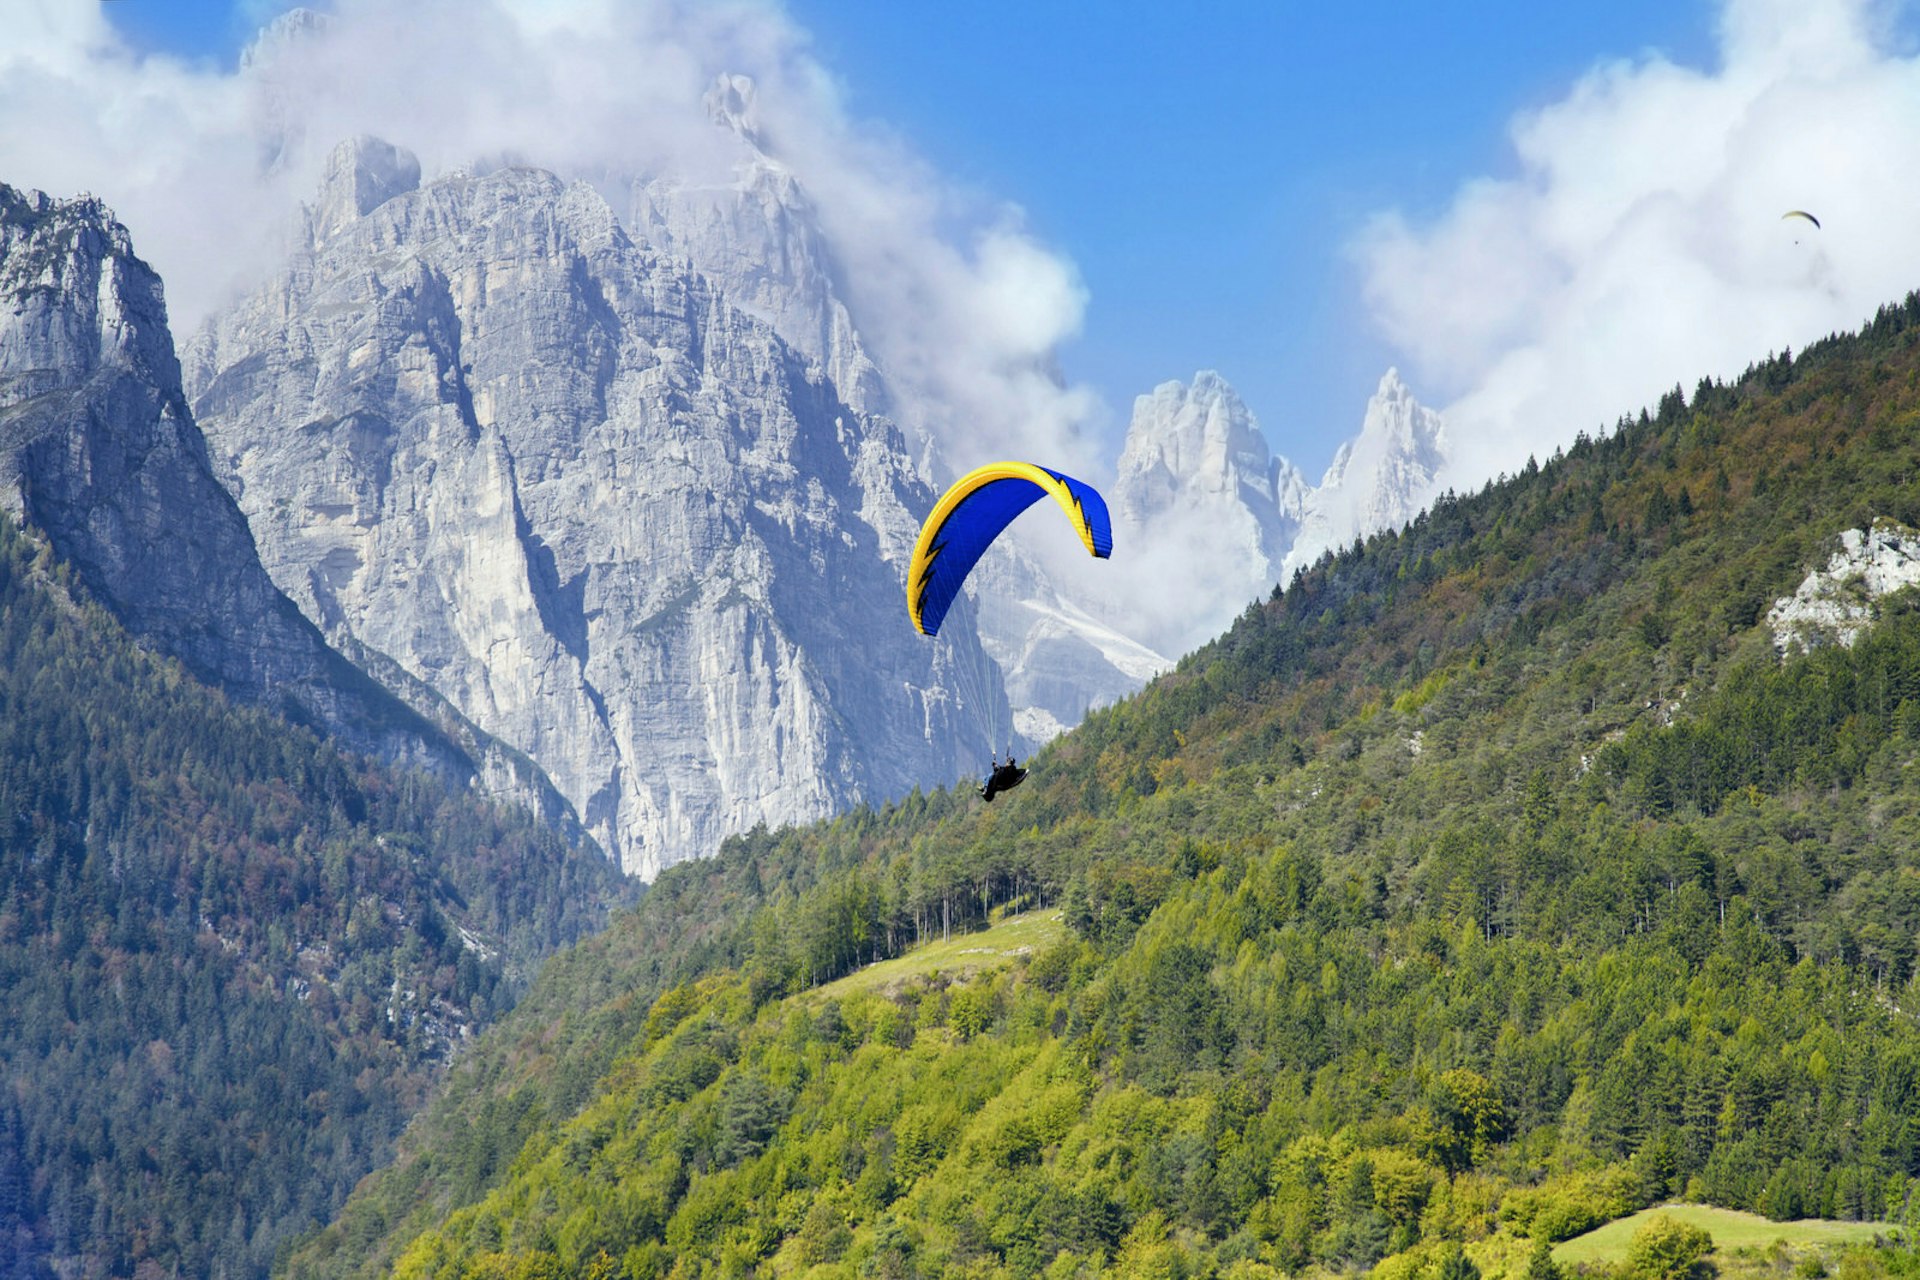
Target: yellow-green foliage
<point>1633,921</point>
<point>1566,1206</point>
<point>1423,693</point>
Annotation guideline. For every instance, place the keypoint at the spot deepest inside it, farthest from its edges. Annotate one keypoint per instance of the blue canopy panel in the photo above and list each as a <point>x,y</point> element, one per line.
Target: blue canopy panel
<point>974,512</point>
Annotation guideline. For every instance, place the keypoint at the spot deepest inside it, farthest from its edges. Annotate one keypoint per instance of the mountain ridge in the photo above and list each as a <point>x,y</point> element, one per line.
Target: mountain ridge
<point>249,904</point>
<point>234,955</point>
<point>1423,912</point>
<point>646,521</point>
<point>1217,513</point>
<point>100,450</point>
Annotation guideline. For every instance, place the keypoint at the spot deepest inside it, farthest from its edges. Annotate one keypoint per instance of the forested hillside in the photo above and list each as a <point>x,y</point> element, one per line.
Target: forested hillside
<point>232,960</point>
<point>1496,878</point>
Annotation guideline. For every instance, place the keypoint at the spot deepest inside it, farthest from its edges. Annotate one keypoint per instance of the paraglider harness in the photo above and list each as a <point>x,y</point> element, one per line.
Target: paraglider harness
<point>1005,777</point>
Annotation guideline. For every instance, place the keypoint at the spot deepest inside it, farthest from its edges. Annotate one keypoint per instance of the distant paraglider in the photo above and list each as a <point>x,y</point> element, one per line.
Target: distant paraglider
<point>1800,213</point>
<point>971,514</point>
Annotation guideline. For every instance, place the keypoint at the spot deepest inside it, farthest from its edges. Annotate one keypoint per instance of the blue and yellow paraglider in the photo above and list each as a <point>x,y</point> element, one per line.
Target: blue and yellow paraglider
<point>971,514</point>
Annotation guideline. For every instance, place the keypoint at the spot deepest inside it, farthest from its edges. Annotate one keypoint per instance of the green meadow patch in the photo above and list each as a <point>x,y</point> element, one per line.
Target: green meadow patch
<point>1730,1229</point>
<point>963,953</point>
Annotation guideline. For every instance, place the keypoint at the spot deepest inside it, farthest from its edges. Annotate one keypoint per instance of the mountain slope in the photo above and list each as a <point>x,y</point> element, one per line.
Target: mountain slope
<point>232,959</point>
<point>99,450</point>
<point>233,955</point>
<point>1494,879</point>
<point>592,500</point>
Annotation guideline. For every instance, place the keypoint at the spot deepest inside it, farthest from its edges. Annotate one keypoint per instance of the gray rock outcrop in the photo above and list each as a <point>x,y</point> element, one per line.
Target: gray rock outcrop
<point>552,471</point>
<point>755,234</point>
<point>1835,604</point>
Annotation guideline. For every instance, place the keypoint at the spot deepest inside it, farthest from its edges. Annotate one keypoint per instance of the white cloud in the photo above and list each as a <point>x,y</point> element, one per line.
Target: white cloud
<point>207,166</point>
<point>1639,242</point>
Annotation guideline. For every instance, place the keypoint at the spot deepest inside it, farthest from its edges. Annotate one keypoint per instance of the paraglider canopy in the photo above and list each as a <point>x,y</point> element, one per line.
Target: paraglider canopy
<point>971,514</point>
<point>1800,213</point>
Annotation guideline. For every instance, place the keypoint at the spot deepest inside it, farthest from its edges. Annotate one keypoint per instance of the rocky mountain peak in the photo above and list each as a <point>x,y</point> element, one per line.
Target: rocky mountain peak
<point>1204,503</point>
<point>100,455</point>
<point>284,32</point>
<point>80,298</point>
<point>588,493</point>
<point>1200,438</point>
<point>1397,427</point>
<point>362,174</point>
<point>759,242</point>
<point>1381,478</point>
<point>730,104</point>
<point>756,238</point>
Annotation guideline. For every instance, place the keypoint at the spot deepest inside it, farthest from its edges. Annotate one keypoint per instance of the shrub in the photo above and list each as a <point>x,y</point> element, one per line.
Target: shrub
<point>1668,1249</point>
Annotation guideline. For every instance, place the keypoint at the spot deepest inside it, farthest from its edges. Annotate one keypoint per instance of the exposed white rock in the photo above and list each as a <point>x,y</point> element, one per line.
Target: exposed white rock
<point>1214,520</point>
<point>748,227</point>
<point>1835,604</point>
<point>360,178</point>
<point>560,477</point>
<point>1199,444</point>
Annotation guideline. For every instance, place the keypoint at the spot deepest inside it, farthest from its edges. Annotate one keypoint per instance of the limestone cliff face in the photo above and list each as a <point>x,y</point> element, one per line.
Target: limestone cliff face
<point>100,454</point>
<point>1198,448</point>
<point>491,440</point>
<point>1836,604</point>
<point>757,238</point>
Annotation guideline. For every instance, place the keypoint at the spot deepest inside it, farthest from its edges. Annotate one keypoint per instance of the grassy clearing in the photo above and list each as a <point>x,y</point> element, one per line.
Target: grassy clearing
<point>1730,1229</point>
<point>991,948</point>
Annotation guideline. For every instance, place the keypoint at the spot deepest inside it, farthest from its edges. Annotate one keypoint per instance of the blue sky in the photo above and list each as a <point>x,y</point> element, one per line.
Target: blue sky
<point>1202,166</point>
<point>1544,215</point>
<point>190,28</point>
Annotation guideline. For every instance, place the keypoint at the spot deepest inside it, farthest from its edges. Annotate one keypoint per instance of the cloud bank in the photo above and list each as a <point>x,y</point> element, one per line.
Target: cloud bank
<point>1640,243</point>
<point>207,166</point>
